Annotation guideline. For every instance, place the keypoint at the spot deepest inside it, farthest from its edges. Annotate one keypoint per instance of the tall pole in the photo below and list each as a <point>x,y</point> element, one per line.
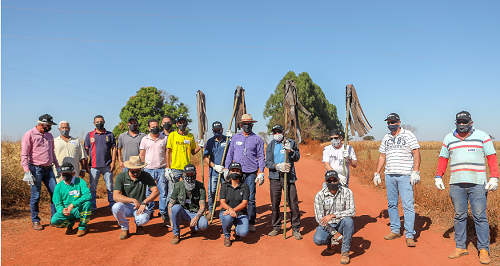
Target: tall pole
<point>348,109</point>
<point>285,178</point>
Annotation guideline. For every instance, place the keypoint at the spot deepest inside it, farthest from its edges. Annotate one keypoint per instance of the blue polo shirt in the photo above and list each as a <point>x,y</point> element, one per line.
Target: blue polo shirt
<point>100,145</point>
<point>215,149</point>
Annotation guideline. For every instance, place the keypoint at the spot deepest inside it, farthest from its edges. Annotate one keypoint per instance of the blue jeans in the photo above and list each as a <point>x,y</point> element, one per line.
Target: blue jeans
<point>345,227</point>
<point>47,177</point>
<point>95,173</point>
<point>249,179</point>
<point>177,178</point>
<point>212,188</point>
<point>240,223</point>
<point>162,183</point>
<point>123,210</point>
<point>399,185</point>
<point>476,195</point>
<point>180,214</point>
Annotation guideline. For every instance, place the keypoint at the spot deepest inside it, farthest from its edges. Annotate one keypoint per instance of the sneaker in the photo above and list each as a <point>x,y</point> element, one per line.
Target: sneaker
<point>459,252</point>
<point>151,215</point>
<point>345,258</point>
<point>139,230</point>
<point>81,233</point>
<point>227,242</point>
<point>273,233</point>
<point>251,228</point>
<point>297,235</point>
<point>37,226</point>
<point>410,242</point>
<point>166,223</point>
<point>124,234</point>
<point>484,257</point>
<point>392,236</point>
<point>175,240</point>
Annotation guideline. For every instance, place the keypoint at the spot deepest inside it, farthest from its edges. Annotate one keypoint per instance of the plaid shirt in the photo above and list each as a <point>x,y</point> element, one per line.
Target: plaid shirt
<point>341,204</point>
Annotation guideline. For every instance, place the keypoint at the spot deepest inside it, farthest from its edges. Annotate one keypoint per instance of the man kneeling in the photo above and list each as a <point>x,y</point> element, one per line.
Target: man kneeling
<point>72,201</point>
<point>187,204</point>
<point>334,207</point>
<point>130,196</point>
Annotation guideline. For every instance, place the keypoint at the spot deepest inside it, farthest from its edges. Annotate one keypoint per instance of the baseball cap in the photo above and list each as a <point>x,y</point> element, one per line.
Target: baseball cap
<point>335,132</point>
<point>216,125</point>
<point>392,116</point>
<point>46,119</point>
<point>190,169</point>
<point>280,127</point>
<point>235,165</point>
<point>67,168</point>
<point>181,118</point>
<point>464,115</point>
<point>132,118</point>
<point>331,173</point>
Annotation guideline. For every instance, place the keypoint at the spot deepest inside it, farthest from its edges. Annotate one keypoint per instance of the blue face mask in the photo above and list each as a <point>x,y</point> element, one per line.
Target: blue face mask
<point>393,128</point>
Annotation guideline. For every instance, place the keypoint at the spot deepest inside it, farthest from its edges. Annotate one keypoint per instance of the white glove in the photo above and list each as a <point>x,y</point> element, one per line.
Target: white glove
<point>169,175</point>
<point>260,179</point>
<point>492,184</point>
<point>376,179</point>
<point>287,145</point>
<point>342,179</point>
<point>58,170</point>
<point>438,181</point>
<point>28,177</point>
<point>229,134</point>
<point>201,143</point>
<point>225,172</point>
<point>283,167</point>
<point>345,154</point>
<point>415,177</point>
<point>218,168</point>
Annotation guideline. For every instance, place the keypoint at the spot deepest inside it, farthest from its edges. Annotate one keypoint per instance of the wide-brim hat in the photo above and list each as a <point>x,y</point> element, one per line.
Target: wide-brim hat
<point>134,162</point>
<point>247,118</point>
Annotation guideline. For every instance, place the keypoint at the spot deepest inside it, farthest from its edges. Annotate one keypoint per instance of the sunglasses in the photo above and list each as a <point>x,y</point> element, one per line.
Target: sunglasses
<point>462,122</point>
<point>332,181</point>
<point>277,132</point>
<point>334,138</point>
<point>392,123</point>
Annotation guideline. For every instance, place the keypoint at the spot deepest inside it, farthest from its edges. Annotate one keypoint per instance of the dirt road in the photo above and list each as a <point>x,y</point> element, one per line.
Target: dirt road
<point>22,246</point>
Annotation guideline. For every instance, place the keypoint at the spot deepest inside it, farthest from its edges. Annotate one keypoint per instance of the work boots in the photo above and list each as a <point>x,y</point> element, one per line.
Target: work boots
<point>484,258</point>
<point>345,258</point>
<point>392,236</point>
<point>81,233</point>
<point>175,240</point>
<point>458,253</point>
<point>123,234</point>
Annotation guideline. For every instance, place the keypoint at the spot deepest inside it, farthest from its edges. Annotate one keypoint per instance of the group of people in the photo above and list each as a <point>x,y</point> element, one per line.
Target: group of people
<point>158,164</point>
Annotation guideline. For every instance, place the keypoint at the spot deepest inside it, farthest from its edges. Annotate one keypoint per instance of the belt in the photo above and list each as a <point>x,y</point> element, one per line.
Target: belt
<point>42,166</point>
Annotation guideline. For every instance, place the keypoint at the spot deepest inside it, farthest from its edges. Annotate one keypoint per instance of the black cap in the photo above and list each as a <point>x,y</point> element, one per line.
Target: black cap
<point>335,132</point>
<point>464,115</point>
<point>46,119</point>
<point>67,168</point>
<point>190,169</point>
<point>216,125</point>
<point>392,116</point>
<point>181,118</point>
<point>331,173</point>
<point>277,126</point>
<point>132,118</point>
<point>235,165</point>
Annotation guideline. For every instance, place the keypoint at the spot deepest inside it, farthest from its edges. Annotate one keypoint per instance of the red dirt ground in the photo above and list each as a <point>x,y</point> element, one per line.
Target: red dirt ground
<point>21,245</point>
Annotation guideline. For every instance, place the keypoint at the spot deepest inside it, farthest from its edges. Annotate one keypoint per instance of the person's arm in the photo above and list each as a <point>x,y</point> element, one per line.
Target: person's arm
<point>113,159</point>
<point>26,151</point>
<point>416,159</point>
<point>230,154</point>
<point>169,158</point>
<point>270,164</point>
<point>328,167</point>
<point>194,147</point>
<point>154,193</point>
<point>142,155</point>
<point>294,153</point>
<point>261,157</point>
<point>54,158</point>
<point>85,194</point>
<point>120,159</point>
<point>326,161</point>
<point>57,200</point>
<point>352,158</point>
<point>319,210</point>
<point>380,163</point>
<point>119,197</point>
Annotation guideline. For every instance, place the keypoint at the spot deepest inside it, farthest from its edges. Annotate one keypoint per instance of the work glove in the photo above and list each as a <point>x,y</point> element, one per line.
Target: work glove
<point>287,145</point>
<point>260,179</point>
<point>376,179</point>
<point>169,175</point>
<point>342,179</point>
<point>229,134</point>
<point>345,154</point>
<point>29,178</point>
<point>225,173</point>
<point>58,170</point>
<point>201,143</point>
<point>283,167</point>
<point>218,168</point>
<point>438,181</point>
<point>415,177</point>
<point>492,184</point>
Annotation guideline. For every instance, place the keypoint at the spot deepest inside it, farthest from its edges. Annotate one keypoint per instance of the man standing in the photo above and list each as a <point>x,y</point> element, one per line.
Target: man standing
<point>187,204</point>
<point>275,162</point>
<point>247,149</point>
<point>400,149</point>
<point>37,157</point>
<point>466,148</point>
<point>334,156</point>
<point>153,152</point>
<point>101,147</point>
<point>214,154</point>
<point>69,150</point>
<point>130,194</point>
<point>72,200</point>
<point>166,124</point>
<point>129,142</point>
<point>334,207</point>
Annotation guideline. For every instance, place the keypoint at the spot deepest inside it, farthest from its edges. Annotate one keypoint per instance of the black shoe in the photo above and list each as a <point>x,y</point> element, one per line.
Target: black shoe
<point>151,215</point>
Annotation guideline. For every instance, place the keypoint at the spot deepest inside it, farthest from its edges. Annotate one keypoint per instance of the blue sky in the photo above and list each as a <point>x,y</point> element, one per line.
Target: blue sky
<point>425,60</point>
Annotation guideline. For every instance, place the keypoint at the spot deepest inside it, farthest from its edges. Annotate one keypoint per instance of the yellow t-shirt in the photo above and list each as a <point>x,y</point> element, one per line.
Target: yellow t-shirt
<point>181,147</point>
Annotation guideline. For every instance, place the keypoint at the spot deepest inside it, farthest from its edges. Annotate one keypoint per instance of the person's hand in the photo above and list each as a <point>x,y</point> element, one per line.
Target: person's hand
<point>342,180</point>
<point>226,212</point>
<point>232,213</point>
<point>345,154</point>
<point>112,166</point>
<point>66,212</point>
<point>121,165</point>
<point>141,209</point>
<point>58,170</point>
<point>201,143</point>
<point>260,179</point>
<point>169,174</point>
<point>29,178</point>
<point>287,145</point>
<point>492,184</point>
<point>438,181</point>
<point>376,179</point>
<point>136,203</point>
<point>218,168</point>
<point>82,174</point>
<point>415,177</point>
<point>283,167</point>
<point>229,134</point>
<point>324,221</point>
<point>194,221</point>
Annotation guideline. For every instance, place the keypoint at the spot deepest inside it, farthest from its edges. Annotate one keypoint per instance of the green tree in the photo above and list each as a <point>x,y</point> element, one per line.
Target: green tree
<point>149,103</point>
<point>324,114</point>
<point>369,138</point>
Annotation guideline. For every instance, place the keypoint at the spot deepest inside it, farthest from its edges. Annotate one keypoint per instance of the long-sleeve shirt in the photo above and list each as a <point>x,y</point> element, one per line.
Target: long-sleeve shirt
<point>271,160</point>
<point>75,193</point>
<point>341,204</point>
<point>248,151</point>
<point>37,149</point>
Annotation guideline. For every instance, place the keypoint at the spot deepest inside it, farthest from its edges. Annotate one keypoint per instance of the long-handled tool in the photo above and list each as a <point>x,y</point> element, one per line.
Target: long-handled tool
<point>285,183</point>
<point>239,91</point>
<point>202,125</point>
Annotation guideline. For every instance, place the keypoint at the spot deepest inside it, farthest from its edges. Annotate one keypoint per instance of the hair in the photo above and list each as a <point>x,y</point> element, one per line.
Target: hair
<point>98,116</point>
<point>152,120</point>
<point>63,122</point>
<point>166,116</point>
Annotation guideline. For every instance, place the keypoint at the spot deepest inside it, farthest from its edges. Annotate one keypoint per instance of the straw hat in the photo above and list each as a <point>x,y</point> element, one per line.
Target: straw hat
<point>134,162</point>
<point>247,118</point>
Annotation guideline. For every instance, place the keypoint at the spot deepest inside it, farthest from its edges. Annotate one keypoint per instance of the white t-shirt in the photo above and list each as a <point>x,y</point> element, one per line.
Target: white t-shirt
<point>336,160</point>
<point>398,152</point>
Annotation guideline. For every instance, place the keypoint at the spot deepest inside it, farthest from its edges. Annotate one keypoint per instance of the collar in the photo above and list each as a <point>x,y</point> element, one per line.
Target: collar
<point>35,131</point>
<point>97,132</point>
<point>328,193</point>
<point>400,132</point>
<point>157,138</point>
<point>238,186</point>
<point>468,135</point>
<point>138,133</point>
<point>70,138</point>
<point>72,181</point>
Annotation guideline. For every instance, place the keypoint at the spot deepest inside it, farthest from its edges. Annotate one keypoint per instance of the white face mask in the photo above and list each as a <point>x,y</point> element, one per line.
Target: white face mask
<point>278,137</point>
<point>335,142</point>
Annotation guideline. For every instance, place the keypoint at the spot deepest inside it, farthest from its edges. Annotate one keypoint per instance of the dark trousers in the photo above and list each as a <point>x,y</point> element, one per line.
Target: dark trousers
<point>293,203</point>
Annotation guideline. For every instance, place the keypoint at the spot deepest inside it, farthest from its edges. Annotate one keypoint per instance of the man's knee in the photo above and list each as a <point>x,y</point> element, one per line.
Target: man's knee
<point>117,207</point>
<point>175,209</point>
<point>87,205</point>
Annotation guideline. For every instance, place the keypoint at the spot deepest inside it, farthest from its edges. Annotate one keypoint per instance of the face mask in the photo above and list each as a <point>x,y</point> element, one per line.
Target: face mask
<point>182,127</point>
<point>247,128</point>
<point>335,142</point>
<point>167,126</point>
<point>278,137</point>
<point>99,126</point>
<point>218,134</point>
<point>132,127</point>
<point>189,182</point>
<point>463,128</point>
<point>135,173</point>
<point>67,177</point>
<point>64,132</point>
<point>155,131</point>
<point>46,128</point>
<point>393,128</point>
<point>235,176</point>
<point>332,186</point>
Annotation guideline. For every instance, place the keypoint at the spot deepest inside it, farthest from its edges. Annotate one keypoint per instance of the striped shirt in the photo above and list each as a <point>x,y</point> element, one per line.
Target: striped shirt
<point>467,164</point>
<point>398,150</point>
<point>341,204</point>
